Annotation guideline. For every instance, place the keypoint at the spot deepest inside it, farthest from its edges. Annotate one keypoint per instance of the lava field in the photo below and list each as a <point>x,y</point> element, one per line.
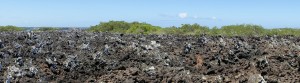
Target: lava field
<point>86,57</point>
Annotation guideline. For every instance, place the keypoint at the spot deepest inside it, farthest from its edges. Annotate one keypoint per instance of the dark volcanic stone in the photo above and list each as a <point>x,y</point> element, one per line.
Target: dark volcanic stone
<point>82,57</point>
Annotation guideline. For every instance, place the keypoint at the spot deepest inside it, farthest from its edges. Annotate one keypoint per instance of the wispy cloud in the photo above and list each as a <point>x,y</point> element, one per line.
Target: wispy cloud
<point>183,15</point>
<point>214,18</point>
<point>206,18</point>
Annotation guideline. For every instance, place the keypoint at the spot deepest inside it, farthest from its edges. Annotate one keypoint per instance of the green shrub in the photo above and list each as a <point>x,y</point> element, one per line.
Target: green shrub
<point>111,26</point>
<point>243,30</point>
<point>214,31</point>
<point>142,28</point>
<point>125,27</point>
<point>11,28</point>
<point>170,30</point>
<point>194,29</point>
<point>191,29</point>
<point>184,29</point>
<point>283,31</point>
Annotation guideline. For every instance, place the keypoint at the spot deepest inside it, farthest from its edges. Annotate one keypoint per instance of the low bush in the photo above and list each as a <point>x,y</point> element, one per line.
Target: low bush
<point>11,28</point>
<point>191,29</point>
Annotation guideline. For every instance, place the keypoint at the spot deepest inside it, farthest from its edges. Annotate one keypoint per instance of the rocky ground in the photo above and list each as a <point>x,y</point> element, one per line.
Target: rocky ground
<point>83,57</point>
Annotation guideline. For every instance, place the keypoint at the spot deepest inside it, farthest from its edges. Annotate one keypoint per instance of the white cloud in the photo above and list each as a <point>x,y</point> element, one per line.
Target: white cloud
<point>183,15</point>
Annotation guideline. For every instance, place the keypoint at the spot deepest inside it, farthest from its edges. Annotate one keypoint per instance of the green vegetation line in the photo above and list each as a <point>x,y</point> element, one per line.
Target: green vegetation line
<point>184,29</point>
<point>191,29</point>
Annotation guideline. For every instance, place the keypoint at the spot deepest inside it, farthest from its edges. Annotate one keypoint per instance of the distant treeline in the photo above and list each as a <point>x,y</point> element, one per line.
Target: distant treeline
<point>191,29</point>
<point>184,29</point>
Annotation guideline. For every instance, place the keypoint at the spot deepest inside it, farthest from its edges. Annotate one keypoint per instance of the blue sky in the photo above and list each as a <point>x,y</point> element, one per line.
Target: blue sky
<point>85,13</point>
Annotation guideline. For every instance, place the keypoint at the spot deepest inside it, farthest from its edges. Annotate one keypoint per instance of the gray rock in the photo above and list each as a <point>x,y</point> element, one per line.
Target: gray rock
<point>33,69</point>
<point>14,71</point>
<point>71,43</point>
<point>17,45</point>
<point>51,60</point>
<point>84,46</point>
<point>40,45</point>
<point>187,48</point>
<point>54,68</point>
<point>150,70</point>
<point>222,42</point>
<point>0,67</point>
<point>71,62</point>
<point>106,50</point>
<point>129,81</point>
<point>35,50</point>
<point>1,44</point>
<point>298,47</point>
<point>29,34</point>
<point>19,61</point>
<point>29,42</point>
<point>155,44</point>
<point>97,55</point>
<point>35,37</point>
<point>256,78</point>
<point>8,80</point>
<point>263,62</point>
<point>147,47</point>
<point>32,72</point>
<point>203,40</point>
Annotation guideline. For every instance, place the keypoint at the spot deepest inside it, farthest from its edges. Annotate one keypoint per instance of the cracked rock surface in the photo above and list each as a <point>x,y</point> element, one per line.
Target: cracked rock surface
<point>81,57</point>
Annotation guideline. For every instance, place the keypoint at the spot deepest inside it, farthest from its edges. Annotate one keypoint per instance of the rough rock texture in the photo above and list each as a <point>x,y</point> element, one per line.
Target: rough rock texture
<point>81,57</point>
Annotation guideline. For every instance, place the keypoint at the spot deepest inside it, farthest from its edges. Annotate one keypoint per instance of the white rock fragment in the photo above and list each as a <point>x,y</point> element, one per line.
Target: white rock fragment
<point>33,69</point>
<point>14,71</point>
<point>147,47</point>
<point>166,62</point>
<point>133,45</point>
<point>19,61</point>
<point>84,45</point>
<point>1,44</point>
<point>35,50</point>
<point>155,44</point>
<point>70,62</point>
<point>151,68</point>
<point>49,61</point>
<point>231,52</point>
<point>296,46</point>
<point>203,40</point>
<point>29,34</point>
<point>187,48</point>
<point>223,43</point>
<point>256,78</point>
<point>188,72</point>
<point>203,78</point>
<point>106,50</point>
